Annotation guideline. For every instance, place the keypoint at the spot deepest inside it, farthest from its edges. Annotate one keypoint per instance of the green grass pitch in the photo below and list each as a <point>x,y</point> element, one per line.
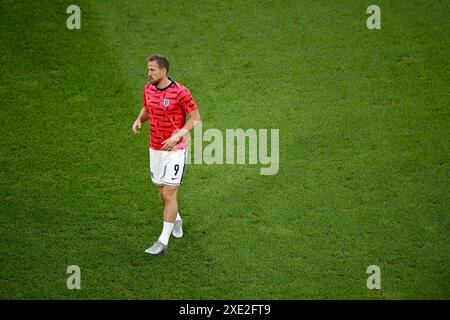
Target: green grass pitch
<point>364,150</point>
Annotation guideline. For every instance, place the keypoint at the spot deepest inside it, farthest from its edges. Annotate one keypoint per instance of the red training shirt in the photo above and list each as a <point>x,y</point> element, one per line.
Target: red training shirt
<point>167,109</point>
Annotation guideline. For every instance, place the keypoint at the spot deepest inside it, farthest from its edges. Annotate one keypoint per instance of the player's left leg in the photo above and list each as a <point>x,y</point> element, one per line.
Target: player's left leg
<point>172,180</point>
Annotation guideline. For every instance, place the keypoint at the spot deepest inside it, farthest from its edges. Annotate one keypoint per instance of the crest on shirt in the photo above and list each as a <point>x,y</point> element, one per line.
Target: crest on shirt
<point>166,103</point>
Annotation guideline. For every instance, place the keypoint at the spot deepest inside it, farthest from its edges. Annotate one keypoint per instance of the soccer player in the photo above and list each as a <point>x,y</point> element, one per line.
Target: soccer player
<point>166,104</point>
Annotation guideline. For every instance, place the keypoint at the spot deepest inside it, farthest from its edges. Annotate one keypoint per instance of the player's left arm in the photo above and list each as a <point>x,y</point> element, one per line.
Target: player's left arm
<point>194,119</point>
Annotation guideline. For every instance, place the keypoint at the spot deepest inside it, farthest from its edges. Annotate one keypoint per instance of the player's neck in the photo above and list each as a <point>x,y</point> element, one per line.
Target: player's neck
<point>163,83</point>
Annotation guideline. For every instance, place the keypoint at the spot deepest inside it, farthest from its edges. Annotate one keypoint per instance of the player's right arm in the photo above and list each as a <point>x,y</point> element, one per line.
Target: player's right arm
<point>142,117</point>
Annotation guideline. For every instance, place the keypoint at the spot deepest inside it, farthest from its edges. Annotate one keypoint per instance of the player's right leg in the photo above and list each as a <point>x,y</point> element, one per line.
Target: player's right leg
<point>161,194</point>
<point>157,172</point>
<point>177,231</point>
<point>170,214</point>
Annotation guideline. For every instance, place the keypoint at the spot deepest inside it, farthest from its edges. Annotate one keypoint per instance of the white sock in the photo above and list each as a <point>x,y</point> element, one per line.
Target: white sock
<point>178,216</point>
<point>165,234</point>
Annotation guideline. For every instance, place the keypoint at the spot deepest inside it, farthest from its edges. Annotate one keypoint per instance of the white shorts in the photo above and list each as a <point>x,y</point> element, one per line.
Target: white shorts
<point>167,167</point>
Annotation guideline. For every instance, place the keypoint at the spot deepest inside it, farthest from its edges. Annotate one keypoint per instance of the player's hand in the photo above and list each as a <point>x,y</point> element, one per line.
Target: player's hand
<point>170,143</point>
<point>136,127</point>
